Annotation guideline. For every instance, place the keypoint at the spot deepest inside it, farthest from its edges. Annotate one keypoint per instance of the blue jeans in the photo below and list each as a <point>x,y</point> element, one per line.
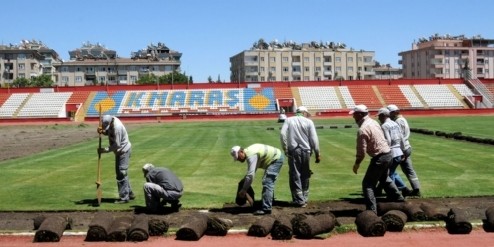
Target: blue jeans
<point>394,175</point>
<point>377,171</point>
<point>268,181</point>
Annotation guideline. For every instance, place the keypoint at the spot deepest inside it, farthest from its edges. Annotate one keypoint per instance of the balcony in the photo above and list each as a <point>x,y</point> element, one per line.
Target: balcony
<point>251,63</point>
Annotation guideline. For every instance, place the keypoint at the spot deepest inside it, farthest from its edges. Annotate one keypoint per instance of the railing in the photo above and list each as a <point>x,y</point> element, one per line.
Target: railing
<point>480,88</point>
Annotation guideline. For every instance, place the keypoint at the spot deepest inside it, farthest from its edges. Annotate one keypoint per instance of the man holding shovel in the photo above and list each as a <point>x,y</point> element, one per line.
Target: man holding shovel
<point>120,145</point>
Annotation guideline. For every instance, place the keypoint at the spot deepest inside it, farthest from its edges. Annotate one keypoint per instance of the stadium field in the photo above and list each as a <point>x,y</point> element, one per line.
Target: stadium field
<point>198,152</point>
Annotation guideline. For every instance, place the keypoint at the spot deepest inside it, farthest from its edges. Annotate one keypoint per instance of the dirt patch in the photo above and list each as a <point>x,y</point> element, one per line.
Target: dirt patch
<point>21,140</point>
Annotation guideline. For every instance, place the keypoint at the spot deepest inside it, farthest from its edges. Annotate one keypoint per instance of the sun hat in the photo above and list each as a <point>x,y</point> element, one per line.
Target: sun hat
<point>393,108</point>
<point>302,109</point>
<point>234,152</point>
<point>359,108</point>
<point>147,167</point>
<point>383,111</point>
<point>105,122</point>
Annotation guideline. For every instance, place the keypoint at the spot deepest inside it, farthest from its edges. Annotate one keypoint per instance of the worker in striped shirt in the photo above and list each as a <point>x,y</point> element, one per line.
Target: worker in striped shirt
<point>370,140</point>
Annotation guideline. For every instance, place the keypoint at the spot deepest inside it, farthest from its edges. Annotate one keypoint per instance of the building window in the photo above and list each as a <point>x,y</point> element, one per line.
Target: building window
<point>306,59</point>
<point>337,59</point>
<point>350,59</point>
<point>21,66</point>
<point>21,75</point>
<point>285,69</point>
<point>261,69</point>
<point>65,79</point>
<point>318,69</point>
<point>350,69</point>
<point>327,59</point>
<point>272,59</point>
<point>133,79</point>
<point>318,59</point>
<point>286,78</point>
<point>306,78</point>
<point>21,57</point>
<point>262,59</point>
<point>272,69</point>
<point>102,79</point>
<point>285,59</point>
<point>306,69</point>
<point>338,69</point>
<point>78,79</point>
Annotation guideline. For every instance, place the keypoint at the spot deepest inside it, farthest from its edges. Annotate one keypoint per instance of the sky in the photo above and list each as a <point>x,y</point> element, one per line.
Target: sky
<point>209,32</point>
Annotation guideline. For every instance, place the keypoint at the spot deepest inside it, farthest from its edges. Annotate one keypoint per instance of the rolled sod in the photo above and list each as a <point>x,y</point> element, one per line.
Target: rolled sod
<point>457,222</point>
<point>308,226</point>
<point>39,219</point>
<point>395,220</point>
<point>119,228</point>
<point>432,212</point>
<point>99,227</point>
<point>218,226</point>
<point>51,229</point>
<point>261,227</point>
<point>194,229</point>
<point>384,207</point>
<point>282,228</point>
<point>369,224</point>
<point>139,229</point>
<point>488,223</point>
<point>414,212</point>
<point>249,200</point>
<point>158,226</point>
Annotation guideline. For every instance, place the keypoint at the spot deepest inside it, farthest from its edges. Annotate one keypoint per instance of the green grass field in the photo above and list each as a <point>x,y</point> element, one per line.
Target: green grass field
<point>198,152</point>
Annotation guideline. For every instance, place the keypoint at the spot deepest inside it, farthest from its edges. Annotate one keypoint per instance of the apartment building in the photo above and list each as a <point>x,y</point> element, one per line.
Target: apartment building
<point>28,59</point>
<point>449,57</point>
<point>288,61</point>
<point>387,72</point>
<point>94,64</point>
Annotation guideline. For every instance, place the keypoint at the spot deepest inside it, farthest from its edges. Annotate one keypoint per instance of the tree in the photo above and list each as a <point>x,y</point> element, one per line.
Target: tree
<point>147,79</point>
<point>210,80</point>
<point>42,81</point>
<point>21,82</point>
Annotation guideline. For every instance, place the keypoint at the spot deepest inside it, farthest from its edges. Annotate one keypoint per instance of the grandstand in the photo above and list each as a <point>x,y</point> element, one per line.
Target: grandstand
<point>322,98</point>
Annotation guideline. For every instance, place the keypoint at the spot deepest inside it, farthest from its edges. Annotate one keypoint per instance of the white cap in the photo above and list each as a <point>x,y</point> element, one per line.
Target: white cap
<point>383,111</point>
<point>147,167</point>
<point>234,152</point>
<point>105,121</point>
<point>359,108</point>
<point>393,108</point>
<point>302,109</point>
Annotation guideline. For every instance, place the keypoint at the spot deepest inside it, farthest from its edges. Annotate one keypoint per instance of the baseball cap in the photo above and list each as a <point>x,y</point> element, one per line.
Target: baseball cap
<point>105,122</point>
<point>383,111</point>
<point>147,166</point>
<point>359,108</point>
<point>234,152</point>
<point>302,109</point>
<point>393,108</point>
